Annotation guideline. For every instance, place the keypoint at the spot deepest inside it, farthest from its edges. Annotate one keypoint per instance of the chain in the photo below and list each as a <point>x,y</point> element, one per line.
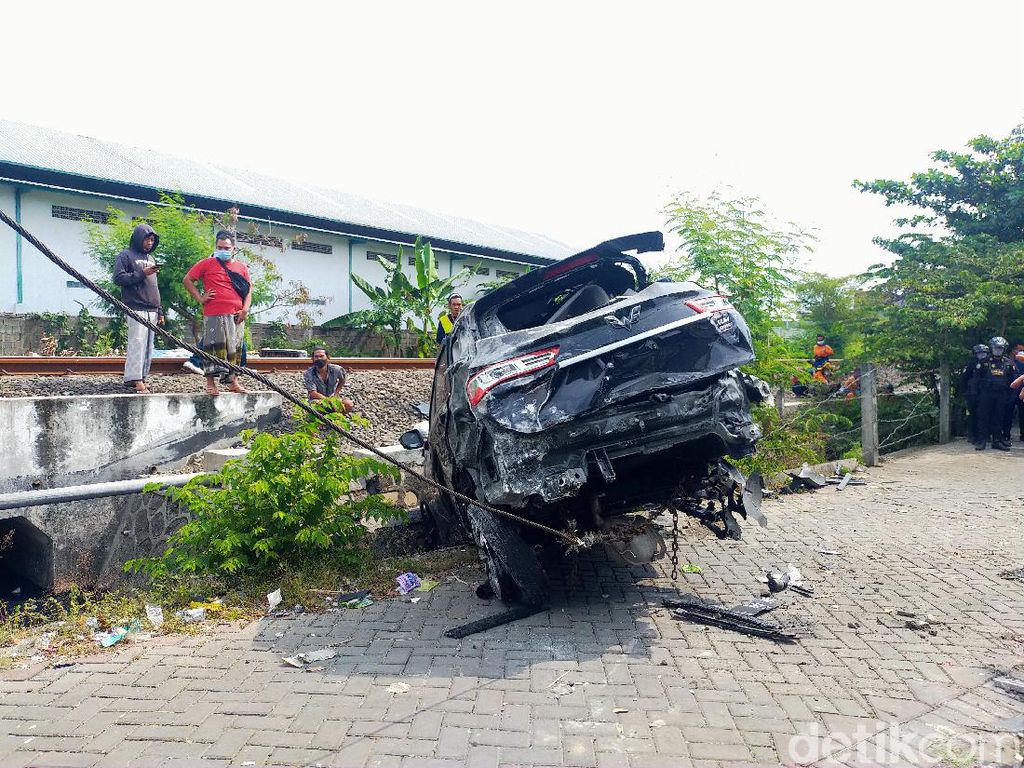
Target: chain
<point>567,537</point>
<point>675,543</point>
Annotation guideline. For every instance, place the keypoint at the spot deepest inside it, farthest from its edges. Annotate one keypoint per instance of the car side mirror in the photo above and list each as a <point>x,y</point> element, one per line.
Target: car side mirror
<point>411,439</point>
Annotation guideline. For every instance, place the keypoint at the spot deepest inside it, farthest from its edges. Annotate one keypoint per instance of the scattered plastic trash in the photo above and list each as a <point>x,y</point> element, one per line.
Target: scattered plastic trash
<point>428,584</point>
<point>407,582</point>
<point>116,635</point>
<point>155,614</point>
<point>274,599</point>
<point>16,591</point>
<point>398,688</point>
<point>415,599</point>
<point>44,640</point>
<point>364,602</point>
<point>192,615</point>
<point>294,661</point>
<point>829,552</point>
<point>92,623</point>
<point>620,710</point>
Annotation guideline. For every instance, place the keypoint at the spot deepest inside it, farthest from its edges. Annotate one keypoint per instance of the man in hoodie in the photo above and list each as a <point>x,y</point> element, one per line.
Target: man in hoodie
<point>136,272</point>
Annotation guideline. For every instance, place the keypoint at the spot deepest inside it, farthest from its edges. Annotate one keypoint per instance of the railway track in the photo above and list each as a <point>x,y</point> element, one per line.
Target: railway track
<point>64,366</point>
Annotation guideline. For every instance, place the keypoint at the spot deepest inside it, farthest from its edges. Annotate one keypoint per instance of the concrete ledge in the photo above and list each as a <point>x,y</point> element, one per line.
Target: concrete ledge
<point>56,441</point>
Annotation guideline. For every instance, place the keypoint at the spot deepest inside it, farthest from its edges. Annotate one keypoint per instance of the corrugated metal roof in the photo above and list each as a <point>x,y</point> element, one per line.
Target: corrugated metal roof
<point>82,156</point>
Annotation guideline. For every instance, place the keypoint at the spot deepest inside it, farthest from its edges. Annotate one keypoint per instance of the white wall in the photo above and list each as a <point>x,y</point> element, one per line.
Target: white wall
<point>8,272</point>
<point>326,276</point>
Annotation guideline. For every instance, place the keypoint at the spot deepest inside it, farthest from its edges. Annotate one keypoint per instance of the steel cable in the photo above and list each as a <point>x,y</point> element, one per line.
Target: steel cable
<point>568,538</point>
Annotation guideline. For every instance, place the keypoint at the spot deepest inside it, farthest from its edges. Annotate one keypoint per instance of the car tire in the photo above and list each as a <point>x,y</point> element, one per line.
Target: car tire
<point>513,568</point>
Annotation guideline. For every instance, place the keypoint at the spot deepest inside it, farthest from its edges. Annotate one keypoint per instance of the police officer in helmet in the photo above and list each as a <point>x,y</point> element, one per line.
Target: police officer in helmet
<point>970,380</point>
<point>994,393</point>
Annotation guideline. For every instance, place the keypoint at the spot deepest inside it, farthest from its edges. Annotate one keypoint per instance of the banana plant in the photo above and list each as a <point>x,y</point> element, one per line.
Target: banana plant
<point>419,302</point>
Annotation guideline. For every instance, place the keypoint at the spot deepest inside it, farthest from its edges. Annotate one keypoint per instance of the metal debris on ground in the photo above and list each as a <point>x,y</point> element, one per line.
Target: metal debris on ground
<point>755,607</point>
<point>1010,685</point>
<point>693,608</point>
<point>1015,574</point>
<point>806,478</point>
<point>495,620</point>
<point>301,660</point>
<point>274,599</point>
<point>407,582</point>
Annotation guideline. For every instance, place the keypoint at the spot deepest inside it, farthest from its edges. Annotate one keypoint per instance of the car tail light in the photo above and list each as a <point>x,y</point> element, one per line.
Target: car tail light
<point>709,304</point>
<point>484,381</point>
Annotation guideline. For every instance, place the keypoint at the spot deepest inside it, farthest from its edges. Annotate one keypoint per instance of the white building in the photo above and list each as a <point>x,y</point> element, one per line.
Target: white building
<point>54,182</point>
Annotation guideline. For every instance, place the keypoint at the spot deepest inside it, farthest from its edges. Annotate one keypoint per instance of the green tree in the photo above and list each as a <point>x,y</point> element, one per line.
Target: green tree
<point>186,236</point>
<point>977,192</point>
<point>828,305</point>
<point>729,244</point>
<point>955,279</point>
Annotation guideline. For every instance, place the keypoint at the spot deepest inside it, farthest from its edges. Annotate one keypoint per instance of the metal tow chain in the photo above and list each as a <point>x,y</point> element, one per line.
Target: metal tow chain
<point>675,543</point>
<point>569,538</point>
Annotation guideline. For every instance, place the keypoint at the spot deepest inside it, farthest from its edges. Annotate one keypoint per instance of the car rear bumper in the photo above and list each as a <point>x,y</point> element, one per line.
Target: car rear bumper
<point>546,467</point>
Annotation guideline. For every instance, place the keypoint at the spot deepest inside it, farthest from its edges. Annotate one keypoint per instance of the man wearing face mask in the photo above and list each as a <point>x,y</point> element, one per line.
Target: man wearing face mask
<point>225,298</point>
<point>325,379</point>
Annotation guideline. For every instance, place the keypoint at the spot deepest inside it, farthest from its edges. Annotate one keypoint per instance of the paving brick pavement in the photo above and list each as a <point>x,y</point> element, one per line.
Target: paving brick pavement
<point>607,678</point>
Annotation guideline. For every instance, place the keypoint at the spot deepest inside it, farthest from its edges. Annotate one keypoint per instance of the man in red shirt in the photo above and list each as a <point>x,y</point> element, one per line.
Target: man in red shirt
<point>224,308</point>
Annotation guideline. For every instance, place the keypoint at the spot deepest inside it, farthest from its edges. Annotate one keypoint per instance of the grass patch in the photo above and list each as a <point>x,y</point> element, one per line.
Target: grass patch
<point>61,626</point>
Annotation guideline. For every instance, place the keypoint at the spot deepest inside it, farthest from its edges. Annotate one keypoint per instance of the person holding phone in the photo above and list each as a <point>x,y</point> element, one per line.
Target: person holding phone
<point>225,298</point>
<point>135,270</point>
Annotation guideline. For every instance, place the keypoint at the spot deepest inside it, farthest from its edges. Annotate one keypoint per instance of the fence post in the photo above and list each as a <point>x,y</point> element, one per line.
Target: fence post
<point>944,411</point>
<point>780,402</point>
<point>869,415</point>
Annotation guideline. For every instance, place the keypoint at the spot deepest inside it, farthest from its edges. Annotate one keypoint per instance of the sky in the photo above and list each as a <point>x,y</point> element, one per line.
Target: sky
<point>580,121</point>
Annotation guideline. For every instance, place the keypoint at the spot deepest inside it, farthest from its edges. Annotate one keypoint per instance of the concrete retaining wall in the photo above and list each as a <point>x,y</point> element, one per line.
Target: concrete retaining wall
<point>88,542</point>
<point>58,441</point>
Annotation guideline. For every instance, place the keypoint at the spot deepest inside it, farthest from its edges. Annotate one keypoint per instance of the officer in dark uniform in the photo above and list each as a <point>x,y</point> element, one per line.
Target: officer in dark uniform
<point>993,394</point>
<point>970,381</point>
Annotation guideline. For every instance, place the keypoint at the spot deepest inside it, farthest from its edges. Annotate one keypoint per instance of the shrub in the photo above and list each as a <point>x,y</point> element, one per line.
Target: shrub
<point>289,498</point>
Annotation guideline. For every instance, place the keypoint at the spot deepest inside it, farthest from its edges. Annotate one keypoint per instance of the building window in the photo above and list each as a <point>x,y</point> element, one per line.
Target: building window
<point>80,214</point>
<point>505,273</point>
<point>270,240</point>
<point>377,256</point>
<point>483,270</point>
<point>309,245</point>
<point>412,261</point>
<point>73,284</point>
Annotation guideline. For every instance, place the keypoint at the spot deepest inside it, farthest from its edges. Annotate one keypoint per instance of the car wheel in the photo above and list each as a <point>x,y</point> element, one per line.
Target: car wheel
<point>514,571</point>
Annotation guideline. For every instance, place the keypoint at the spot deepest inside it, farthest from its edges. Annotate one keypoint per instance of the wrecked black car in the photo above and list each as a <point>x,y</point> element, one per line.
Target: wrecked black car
<point>583,395</point>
